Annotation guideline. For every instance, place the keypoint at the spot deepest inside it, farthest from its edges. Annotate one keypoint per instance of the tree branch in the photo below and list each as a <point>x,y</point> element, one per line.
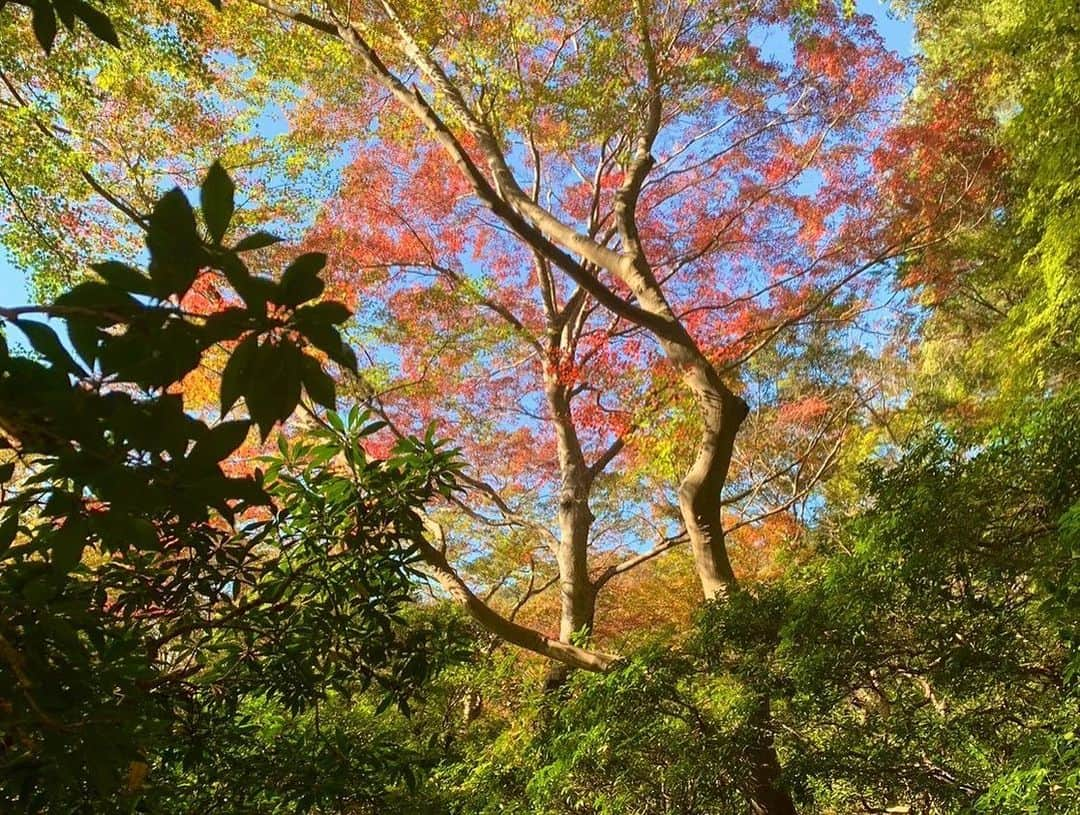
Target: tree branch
<point>637,560</point>
<point>626,198</point>
<point>506,629</point>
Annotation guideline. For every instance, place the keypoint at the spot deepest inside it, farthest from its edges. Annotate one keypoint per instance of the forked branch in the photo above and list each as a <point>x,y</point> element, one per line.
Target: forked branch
<point>530,639</point>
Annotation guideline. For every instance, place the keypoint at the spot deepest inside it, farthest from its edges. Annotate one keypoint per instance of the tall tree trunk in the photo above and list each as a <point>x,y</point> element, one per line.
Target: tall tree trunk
<point>577,595</point>
<point>721,413</point>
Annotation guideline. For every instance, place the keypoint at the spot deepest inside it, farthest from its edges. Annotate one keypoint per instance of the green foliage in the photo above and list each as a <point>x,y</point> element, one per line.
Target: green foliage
<point>338,755</point>
<point>144,588</point>
<point>933,650</point>
<point>1013,320</point>
<point>926,658</point>
<point>344,752</point>
<point>71,177</point>
<point>177,637</point>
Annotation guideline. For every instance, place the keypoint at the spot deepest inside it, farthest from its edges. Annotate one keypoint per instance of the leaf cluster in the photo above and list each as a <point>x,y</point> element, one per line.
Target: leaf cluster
<point>44,15</point>
<point>142,584</point>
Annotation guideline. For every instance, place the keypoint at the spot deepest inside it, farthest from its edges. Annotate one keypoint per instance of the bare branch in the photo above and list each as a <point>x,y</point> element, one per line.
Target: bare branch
<point>504,628</point>
<point>630,563</point>
<point>627,197</point>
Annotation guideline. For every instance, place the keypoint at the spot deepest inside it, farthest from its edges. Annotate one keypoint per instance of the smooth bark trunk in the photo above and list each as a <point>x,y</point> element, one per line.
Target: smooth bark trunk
<point>577,594</point>
<point>721,413</point>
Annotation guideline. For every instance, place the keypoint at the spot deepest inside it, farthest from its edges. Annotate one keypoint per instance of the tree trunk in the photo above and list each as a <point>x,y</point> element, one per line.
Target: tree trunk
<point>766,795</point>
<point>577,595</point>
<point>721,414</point>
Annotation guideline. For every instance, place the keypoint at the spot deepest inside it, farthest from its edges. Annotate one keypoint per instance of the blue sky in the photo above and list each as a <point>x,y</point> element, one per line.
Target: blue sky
<point>12,283</point>
<point>898,34</point>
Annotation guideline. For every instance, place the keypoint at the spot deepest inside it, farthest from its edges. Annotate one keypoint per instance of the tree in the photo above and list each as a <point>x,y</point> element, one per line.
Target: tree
<point>96,133</point>
<point>147,595</point>
<point>997,92</point>
<point>619,241</point>
<point>923,660</point>
<point>672,297</point>
<point>760,153</point>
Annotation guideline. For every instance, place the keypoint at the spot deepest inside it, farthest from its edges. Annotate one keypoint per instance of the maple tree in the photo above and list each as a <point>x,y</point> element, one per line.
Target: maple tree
<point>761,143</point>
<point>672,227</point>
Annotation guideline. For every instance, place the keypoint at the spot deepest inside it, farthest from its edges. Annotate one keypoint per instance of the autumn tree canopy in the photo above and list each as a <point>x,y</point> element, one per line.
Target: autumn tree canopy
<point>664,275</point>
<point>713,145</point>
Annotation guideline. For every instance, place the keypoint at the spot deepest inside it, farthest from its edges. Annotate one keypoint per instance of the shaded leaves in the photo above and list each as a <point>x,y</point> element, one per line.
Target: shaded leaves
<point>44,14</point>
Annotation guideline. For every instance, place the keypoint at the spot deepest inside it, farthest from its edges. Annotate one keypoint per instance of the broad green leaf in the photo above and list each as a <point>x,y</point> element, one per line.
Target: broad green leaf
<point>256,240</point>
<point>318,384</point>
<point>123,276</point>
<point>234,379</point>
<point>273,388</point>
<point>329,311</point>
<point>44,340</point>
<point>300,282</point>
<point>43,21</point>
<point>98,23</point>
<point>176,252</point>
<point>8,530</point>
<point>220,442</point>
<point>217,198</point>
